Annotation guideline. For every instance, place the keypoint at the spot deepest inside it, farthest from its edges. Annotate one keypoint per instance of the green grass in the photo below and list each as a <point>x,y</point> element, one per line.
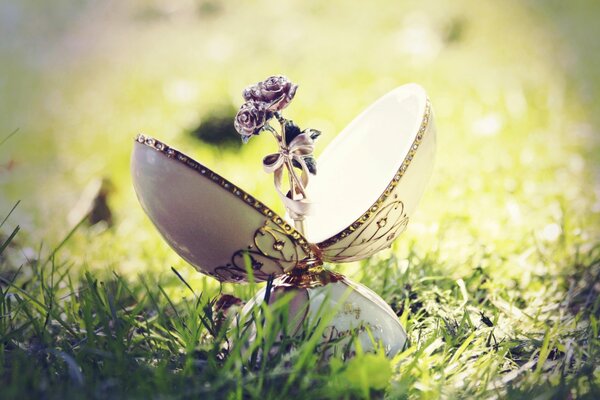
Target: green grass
<point>93,336</point>
<point>496,278</point>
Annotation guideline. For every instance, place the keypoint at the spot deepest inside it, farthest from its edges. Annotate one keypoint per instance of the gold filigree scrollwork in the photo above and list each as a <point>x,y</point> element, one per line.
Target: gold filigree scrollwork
<point>378,233</point>
<point>272,253</point>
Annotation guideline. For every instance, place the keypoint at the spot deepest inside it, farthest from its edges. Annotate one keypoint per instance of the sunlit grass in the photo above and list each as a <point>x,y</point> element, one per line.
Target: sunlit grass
<point>495,278</point>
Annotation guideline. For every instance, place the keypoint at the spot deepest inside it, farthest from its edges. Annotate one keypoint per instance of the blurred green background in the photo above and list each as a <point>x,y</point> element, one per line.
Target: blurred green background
<point>514,86</point>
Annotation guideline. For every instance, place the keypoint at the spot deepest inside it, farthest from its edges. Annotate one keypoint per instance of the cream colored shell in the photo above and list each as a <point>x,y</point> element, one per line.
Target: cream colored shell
<point>372,176</point>
<point>211,223</point>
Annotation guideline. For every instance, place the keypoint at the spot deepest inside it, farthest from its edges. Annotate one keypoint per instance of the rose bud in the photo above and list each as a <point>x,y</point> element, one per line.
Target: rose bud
<point>276,92</point>
<point>250,119</point>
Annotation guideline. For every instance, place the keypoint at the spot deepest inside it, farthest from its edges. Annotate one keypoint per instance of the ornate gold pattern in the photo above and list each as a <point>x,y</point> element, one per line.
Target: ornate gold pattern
<point>272,246</point>
<point>374,209</point>
<point>314,276</point>
<point>384,226</point>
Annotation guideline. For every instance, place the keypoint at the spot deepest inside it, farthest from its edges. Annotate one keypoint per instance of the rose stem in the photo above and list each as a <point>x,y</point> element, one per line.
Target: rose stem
<point>273,131</point>
<point>295,184</point>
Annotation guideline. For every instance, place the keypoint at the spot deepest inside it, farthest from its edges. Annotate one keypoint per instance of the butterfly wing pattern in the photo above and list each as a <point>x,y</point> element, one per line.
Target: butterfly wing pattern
<point>226,233</point>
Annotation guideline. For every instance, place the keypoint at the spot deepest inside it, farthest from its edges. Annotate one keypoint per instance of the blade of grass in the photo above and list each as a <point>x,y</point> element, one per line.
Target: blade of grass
<point>9,239</point>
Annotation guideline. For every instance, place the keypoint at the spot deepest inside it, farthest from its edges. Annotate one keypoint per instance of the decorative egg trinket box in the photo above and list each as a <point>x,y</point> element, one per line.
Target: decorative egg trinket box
<point>352,208</point>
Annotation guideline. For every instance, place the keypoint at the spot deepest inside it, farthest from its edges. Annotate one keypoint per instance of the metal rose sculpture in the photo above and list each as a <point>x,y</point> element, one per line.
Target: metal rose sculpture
<point>250,119</point>
<point>276,91</point>
<point>264,102</point>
